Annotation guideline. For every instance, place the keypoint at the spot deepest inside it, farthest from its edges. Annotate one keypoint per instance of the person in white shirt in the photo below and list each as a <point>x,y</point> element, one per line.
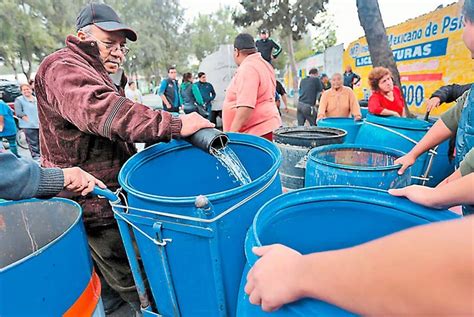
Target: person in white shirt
<point>133,93</point>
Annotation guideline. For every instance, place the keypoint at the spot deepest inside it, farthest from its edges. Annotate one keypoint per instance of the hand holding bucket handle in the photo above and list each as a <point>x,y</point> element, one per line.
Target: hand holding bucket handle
<point>107,193</point>
<point>129,249</point>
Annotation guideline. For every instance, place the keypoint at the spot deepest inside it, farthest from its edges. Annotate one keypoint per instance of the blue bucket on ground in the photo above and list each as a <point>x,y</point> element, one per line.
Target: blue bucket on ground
<point>403,134</point>
<point>355,165</point>
<point>348,124</point>
<point>364,111</point>
<point>45,264</point>
<point>323,219</point>
<point>192,221</point>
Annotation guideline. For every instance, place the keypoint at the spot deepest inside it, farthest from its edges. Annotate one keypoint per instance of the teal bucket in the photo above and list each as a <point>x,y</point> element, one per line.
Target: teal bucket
<point>323,219</point>
<point>347,124</point>
<point>355,165</point>
<point>403,134</point>
<point>189,218</point>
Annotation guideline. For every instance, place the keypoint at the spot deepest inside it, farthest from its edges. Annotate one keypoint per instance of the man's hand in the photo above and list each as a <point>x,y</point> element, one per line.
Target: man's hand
<point>418,194</point>
<point>193,122</point>
<point>357,118</point>
<point>78,181</point>
<point>25,118</point>
<point>432,103</point>
<point>276,278</point>
<point>406,160</point>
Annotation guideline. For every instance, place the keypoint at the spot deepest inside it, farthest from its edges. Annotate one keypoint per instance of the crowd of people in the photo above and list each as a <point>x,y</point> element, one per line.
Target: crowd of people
<point>84,117</point>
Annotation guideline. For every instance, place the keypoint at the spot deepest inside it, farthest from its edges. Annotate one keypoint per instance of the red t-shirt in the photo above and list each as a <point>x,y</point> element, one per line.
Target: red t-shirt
<point>378,102</point>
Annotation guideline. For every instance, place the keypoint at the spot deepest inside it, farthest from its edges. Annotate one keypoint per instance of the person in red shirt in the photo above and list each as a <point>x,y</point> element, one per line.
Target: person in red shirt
<point>386,98</point>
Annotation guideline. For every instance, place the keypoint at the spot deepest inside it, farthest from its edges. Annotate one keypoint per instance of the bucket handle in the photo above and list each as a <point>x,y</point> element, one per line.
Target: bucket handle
<point>399,134</point>
<point>115,203</point>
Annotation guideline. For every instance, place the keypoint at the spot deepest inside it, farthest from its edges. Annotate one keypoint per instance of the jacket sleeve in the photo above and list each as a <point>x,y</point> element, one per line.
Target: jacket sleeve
<point>19,108</point>
<point>277,49</point>
<point>213,93</point>
<point>197,94</point>
<point>87,102</point>
<point>22,179</point>
<point>357,78</point>
<point>450,93</point>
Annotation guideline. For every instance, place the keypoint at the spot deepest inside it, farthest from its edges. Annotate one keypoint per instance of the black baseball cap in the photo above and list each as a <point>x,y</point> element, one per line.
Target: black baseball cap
<point>105,18</point>
<point>244,41</point>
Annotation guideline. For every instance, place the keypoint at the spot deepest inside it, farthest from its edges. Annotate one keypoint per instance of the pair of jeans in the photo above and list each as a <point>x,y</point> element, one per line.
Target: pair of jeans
<point>306,112</point>
<point>32,138</point>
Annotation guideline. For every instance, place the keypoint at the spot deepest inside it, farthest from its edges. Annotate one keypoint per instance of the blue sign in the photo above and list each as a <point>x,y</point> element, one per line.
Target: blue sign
<point>418,51</point>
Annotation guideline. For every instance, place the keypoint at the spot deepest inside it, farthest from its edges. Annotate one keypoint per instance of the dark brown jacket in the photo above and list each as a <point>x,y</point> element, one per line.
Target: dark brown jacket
<point>86,121</point>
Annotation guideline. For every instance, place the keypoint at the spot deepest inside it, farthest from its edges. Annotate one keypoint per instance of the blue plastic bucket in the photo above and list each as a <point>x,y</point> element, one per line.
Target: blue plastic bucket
<point>322,219</point>
<point>364,111</point>
<point>348,124</point>
<point>355,165</point>
<point>45,265</point>
<point>403,134</point>
<point>192,247</point>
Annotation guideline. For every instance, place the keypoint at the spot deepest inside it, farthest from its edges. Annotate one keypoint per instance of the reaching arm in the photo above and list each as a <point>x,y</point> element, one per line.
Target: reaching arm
<point>411,272</point>
<point>96,108</point>
<point>450,93</point>
<point>436,135</point>
<point>454,193</point>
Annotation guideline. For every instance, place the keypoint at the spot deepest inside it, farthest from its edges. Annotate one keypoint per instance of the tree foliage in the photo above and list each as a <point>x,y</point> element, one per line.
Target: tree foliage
<point>208,31</point>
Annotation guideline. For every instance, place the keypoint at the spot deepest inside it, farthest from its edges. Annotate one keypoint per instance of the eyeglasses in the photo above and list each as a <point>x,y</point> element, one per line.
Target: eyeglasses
<point>112,47</point>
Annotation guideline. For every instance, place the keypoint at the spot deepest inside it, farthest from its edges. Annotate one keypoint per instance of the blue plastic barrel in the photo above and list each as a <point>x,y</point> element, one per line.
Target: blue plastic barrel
<point>45,264</point>
<point>348,124</point>
<point>323,219</point>
<point>191,228</point>
<point>403,134</point>
<point>355,165</point>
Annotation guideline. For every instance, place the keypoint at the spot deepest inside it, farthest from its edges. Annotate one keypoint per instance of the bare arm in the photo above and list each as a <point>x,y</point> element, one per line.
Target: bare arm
<point>242,115</point>
<point>438,133</point>
<point>386,112</point>
<point>411,272</point>
<point>456,191</point>
<point>2,123</point>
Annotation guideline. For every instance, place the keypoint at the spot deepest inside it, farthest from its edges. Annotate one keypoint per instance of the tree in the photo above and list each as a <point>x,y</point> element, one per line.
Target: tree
<point>380,52</point>
<point>208,31</point>
<point>292,19</point>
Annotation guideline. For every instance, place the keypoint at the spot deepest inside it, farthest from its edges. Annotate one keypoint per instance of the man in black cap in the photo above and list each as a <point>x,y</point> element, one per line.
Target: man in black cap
<point>86,121</point>
<point>267,46</point>
<point>249,105</point>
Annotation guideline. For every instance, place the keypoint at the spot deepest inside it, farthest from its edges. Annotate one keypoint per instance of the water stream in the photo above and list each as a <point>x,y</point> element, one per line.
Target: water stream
<point>231,162</point>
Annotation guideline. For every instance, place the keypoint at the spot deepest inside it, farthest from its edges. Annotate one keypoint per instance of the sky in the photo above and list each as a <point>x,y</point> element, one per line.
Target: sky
<point>347,23</point>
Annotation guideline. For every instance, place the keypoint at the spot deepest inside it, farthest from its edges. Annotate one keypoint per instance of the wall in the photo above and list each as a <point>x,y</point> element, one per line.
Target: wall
<point>429,52</point>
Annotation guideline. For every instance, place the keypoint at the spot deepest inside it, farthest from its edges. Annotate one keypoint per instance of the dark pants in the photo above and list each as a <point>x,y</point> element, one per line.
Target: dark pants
<point>12,143</point>
<point>110,259</point>
<point>305,112</point>
<point>32,138</point>
<point>214,115</point>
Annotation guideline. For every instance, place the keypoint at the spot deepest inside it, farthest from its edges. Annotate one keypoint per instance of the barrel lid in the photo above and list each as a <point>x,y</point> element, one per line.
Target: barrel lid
<point>308,136</point>
<point>401,123</point>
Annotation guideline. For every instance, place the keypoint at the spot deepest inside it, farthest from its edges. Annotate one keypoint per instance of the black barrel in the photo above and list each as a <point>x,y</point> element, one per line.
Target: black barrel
<point>294,143</point>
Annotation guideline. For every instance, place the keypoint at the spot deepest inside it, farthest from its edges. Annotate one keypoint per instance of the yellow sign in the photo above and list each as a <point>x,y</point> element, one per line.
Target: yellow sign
<point>429,52</point>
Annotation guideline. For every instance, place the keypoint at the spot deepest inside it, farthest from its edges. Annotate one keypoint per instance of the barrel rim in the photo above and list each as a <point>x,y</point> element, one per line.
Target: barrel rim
<point>374,148</point>
<point>344,119</point>
<point>54,241</point>
<point>400,123</point>
<point>161,148</point>
<point>339,193</point>
<point>283,130</point>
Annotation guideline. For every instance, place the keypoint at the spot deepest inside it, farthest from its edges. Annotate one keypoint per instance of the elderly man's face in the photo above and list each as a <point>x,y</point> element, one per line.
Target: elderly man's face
<point>336,81</point>
<point>111,47</point>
